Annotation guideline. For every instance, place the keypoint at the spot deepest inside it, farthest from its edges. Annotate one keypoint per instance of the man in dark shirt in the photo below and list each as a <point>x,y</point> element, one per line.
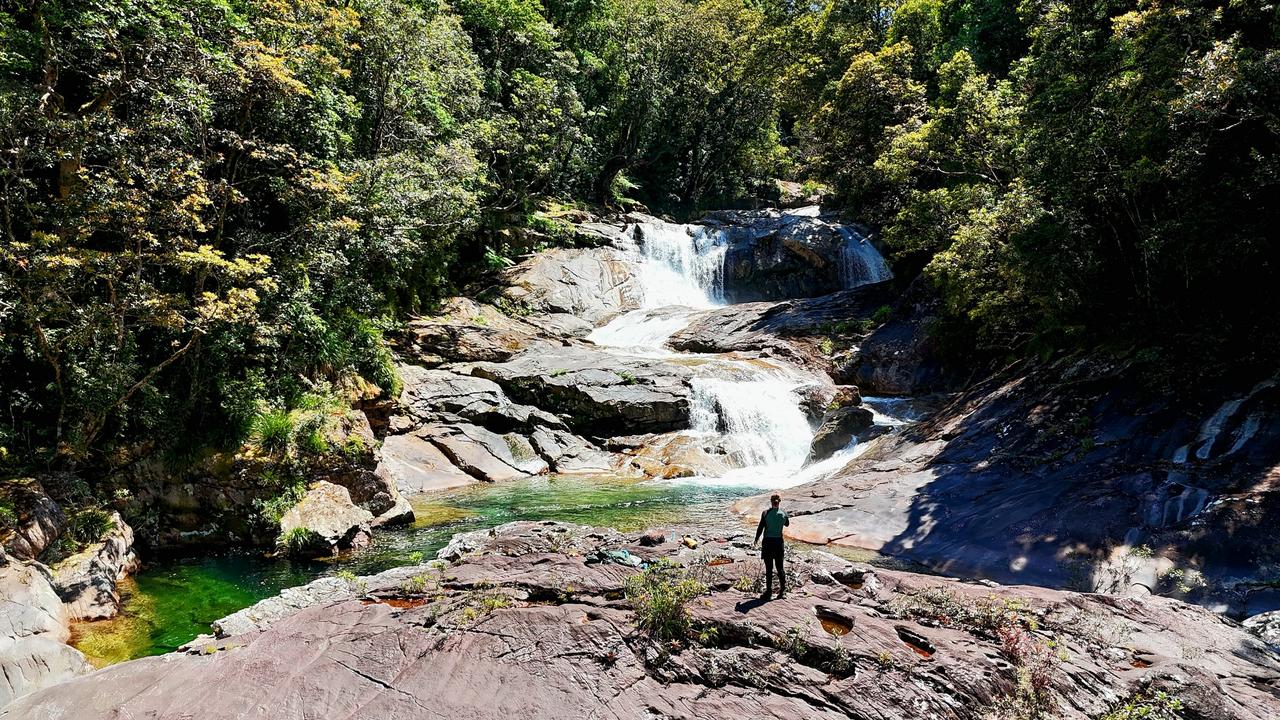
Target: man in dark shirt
<point>771,523</point>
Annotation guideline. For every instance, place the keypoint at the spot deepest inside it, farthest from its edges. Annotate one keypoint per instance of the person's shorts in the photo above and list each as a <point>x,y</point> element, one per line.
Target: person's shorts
<point>771,548</point>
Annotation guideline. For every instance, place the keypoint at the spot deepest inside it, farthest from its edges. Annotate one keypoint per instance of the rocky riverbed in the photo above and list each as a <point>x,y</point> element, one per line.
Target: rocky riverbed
<point>524,620</point>
<point>732,354</point>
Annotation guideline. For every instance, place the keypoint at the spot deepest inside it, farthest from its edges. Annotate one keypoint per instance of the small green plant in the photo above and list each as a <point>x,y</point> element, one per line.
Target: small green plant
<point>301,541</point>
<point>827,346</point>
<point>313,442</point>
<point>415,585</point>
<point>414,558</point>
<point>1147,705</point>
<point>354,447</point>
<point>840,661</point>
<point>272,430</point>
<point>88,526</point>
<point>559,372</point>
<point>356,582</point>
<point>627,378</point>
<point>794,641</point>
<point>8,516</point>
<point>271,510</point>
<point>659,595</point>
<point>495,260</point>
<point>882,315</point>
<point>885,660</point>
<point>494,601</point>
<point>709,635</point>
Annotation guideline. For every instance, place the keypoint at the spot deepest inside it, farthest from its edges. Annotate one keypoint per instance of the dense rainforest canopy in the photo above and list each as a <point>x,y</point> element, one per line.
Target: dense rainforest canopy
<point>210,207</point>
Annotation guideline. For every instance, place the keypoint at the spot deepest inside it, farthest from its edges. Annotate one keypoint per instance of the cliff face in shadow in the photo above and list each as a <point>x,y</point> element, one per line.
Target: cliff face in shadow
<point>1070,475</point>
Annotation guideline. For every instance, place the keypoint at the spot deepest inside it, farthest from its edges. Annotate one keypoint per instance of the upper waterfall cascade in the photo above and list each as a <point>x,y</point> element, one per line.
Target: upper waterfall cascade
<point>754,406</point>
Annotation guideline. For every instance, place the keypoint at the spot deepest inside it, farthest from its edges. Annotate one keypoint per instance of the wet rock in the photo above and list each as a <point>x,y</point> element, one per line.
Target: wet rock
<point>87,581</point>
<point>33,633</point>
<point>38,519</point>
<point>592,284</point>
<point>598,393</point>
<point>416,465</point>
<point>774,255</point>
<point>403,647</point>
<point>329,519</point>
<point>838,429</point>
<point>677,455</point>
<point>792,330</point>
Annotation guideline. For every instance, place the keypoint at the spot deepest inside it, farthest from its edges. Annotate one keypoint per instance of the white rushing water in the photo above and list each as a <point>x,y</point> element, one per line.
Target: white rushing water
<point>755,408</point>
<point>860,262</point>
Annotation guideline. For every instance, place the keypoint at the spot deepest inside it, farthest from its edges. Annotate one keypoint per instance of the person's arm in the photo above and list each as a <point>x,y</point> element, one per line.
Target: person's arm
<point>786,519</point>
<point>760,528</point>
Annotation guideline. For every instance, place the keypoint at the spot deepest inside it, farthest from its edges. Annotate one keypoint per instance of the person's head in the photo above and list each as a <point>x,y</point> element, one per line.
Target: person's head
<point>776,500</point>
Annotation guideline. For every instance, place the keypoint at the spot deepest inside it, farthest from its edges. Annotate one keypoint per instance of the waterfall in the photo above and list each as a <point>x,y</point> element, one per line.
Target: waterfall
<point>762,416</point>
<point>860,262</point>
<point>681,265</point>
<point>755,408</point>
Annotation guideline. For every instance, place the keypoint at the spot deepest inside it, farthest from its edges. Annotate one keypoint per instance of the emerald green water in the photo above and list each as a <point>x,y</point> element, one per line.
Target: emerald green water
<point>173,600</point>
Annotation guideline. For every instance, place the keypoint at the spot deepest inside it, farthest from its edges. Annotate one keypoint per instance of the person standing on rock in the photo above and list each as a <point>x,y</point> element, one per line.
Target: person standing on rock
<point>771,523</point>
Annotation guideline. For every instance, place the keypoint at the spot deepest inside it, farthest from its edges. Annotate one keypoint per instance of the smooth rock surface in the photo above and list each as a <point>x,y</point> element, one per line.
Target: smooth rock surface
<point>33,633</point>
<point>328,512</point>
<point>467,331</point>
<point>522,626</point>
<point>416,465</point>
<point>592,284</point>
<point>432,395</point>
<point>792,330</point>
<point>87,581</point>
<point>838,429</point>
<point>598,393</point>
<point>39,519</point>
<point>1061,475</point>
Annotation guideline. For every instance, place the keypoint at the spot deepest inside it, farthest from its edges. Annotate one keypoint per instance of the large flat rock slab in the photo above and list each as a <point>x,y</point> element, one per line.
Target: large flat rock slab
<point>593,284</point>
<point>527,621</point>
<point>598,393</point>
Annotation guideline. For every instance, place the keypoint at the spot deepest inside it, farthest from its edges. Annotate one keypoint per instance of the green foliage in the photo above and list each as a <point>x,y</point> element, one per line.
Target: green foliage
<point>273,430</point>
<point>658,596</point>
<point>300,542</point>
<point>1147,705</point>
<point>209,207</point>
<point>271,510</point>
<point>88,525</point>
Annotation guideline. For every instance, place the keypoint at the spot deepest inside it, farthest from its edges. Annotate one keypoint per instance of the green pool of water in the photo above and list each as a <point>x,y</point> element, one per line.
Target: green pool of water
<point>173,600</point>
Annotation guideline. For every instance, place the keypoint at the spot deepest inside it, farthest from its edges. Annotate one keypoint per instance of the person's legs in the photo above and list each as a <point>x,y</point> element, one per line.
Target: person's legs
<point>768,575</point>
<point>782,577</point>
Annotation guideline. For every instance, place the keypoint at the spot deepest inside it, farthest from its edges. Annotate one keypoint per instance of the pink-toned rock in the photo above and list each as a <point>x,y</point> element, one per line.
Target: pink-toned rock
<point>530,620</point>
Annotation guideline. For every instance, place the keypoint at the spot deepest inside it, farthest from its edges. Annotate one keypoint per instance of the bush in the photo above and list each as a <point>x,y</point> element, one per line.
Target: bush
<point>272,430</point>
<point>301,542</point>
<point>658,596</point>
<point>88,526</point>
<point>270,511</point>
<point>1147,705</point>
